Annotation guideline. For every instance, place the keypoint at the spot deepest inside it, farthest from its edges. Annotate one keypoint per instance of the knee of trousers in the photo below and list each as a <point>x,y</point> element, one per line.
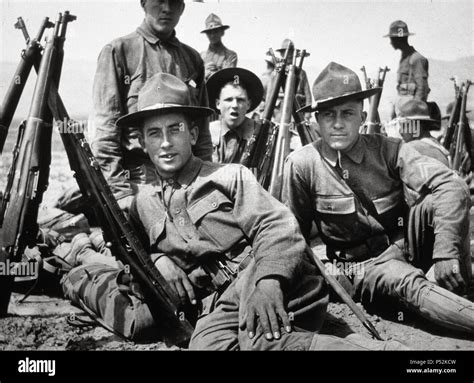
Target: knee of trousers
<point>97,290</point>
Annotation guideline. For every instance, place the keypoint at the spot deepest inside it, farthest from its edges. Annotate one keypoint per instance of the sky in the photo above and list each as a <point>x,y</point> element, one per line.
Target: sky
<point>348,32</point>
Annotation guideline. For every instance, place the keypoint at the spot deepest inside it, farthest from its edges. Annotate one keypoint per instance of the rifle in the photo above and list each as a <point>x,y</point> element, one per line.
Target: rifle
<point>452,127</point>
<point>373,118</point>
<point>282,145</point>
<point>28,56</point>
<point>29,173</point>
<point>255,150</point>
<point>461,131</point>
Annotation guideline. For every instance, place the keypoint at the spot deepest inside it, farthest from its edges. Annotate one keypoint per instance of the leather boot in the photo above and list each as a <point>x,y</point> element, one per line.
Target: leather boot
<point>447,309</point>
<point>354,342</point>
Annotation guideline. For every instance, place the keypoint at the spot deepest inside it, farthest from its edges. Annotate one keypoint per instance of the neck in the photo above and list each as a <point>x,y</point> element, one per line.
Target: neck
<point>216,44</point>
<point>161,35</point>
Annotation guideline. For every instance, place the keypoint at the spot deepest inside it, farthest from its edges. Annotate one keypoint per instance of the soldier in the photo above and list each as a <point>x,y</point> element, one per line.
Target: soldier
<point>217,56</point>
<point>233,92</point>
<point>303,91</point>
<point>415,123</point>
<point>351,185</point>
<point>201,219</point>
<point>412,74</point>
<point>123,67</point>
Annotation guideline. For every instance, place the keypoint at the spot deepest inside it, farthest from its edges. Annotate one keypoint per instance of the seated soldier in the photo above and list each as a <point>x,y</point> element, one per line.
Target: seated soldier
<point>351,185</point>
<point>200,218</point>
<point>233,92</point>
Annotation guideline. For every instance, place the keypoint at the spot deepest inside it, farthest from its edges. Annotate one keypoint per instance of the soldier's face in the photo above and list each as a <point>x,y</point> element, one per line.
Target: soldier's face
<point>233,103</point>
<point>168,139</point>
<point>215,36</point>
<point>163,15</point>
<point>340,125</point>
<point>395,42</point>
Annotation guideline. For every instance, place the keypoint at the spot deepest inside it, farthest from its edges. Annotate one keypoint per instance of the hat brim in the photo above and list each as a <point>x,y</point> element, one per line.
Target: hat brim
<point>252,83</point>
<point>397,35</point>
<point>436,124</point>
<point>223,27</point>
<point>448,116</point>
<point>136,119</point>
<point>326,103</point>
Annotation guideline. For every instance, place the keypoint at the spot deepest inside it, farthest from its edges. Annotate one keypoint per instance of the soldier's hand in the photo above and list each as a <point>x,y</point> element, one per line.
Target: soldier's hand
<point>266,303</point>
<point>177,279</point>
<point>447,273</point>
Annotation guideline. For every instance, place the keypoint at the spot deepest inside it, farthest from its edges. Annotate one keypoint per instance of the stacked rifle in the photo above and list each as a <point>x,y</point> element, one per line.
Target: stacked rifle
<point>373,124</point>
<point>29,173</point>
<point>270,144</point>
<point>458,133</point>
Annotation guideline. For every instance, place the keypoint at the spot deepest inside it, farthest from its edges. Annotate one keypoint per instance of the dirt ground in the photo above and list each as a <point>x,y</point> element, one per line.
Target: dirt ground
<point>43,323</point>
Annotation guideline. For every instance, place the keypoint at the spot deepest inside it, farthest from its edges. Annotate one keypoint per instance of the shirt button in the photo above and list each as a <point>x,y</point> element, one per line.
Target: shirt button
<point>214,204</point>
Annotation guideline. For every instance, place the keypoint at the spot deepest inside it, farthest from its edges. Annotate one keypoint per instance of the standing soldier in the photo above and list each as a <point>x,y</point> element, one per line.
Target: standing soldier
<point>233,92</point>
<point>412,74</point>
<point>123,67</point>
<point>217,56</point>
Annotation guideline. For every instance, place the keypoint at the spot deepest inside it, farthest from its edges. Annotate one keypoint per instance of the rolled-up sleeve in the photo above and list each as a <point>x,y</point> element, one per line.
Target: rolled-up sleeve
<point>451,199</point>
<point>273,231</point>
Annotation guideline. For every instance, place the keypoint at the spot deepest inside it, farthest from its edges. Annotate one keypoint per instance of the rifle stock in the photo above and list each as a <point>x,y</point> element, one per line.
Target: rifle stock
<point>459,149</point>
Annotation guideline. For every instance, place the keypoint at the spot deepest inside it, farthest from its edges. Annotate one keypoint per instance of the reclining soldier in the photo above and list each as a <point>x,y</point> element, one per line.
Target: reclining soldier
<point>351,185</point>
<point>201,219</point>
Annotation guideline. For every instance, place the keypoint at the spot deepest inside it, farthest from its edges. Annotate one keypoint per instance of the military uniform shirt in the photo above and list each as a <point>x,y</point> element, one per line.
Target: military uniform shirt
<point>412,75</point>
<point>219,55</point>
<point>123,67</point>
<point>217,208</point>
<point>381,166</point>
<point>220,142</point>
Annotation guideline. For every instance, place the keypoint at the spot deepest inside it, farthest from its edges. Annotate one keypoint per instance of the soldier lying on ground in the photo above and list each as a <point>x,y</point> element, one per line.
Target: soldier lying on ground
<point>351,185</point>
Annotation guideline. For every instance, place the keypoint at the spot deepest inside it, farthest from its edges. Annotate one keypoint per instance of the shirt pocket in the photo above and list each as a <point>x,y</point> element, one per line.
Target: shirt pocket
<point>388,202</point>
<point>193,86</point>
<point>156,230</point>
<point>214,220</point>
<point>136,84</point>
<point>335,205</point>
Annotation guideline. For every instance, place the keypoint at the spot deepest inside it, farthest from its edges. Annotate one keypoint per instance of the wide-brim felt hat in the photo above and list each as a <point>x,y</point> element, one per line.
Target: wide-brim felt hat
<point>284,45</point>
<point>163,93</point>
<point>335,85</point>
<point>398,29</point>
<point>449,110</point>
<point>213,22</point>
<point>238,76</point>
<point>417,110</point>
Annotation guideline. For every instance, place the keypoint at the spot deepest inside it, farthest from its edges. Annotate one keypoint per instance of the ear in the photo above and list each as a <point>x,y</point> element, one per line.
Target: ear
<point>249,104</point>
<point>363,117</point>
<point>218,104</point>
<point>182,8</point>
<point>194,132</point>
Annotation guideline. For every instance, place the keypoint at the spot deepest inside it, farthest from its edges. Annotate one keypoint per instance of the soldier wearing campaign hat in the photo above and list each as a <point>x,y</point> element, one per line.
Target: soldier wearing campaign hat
<point>233,92</point>
<point>217,56</point>
<point>352,187</point>
<point>412,74</point>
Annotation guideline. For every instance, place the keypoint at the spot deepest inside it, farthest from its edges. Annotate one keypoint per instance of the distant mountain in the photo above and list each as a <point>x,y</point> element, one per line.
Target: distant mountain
<point>77,79</point>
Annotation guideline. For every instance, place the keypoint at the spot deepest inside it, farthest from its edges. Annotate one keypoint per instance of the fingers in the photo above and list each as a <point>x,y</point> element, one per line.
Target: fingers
<point>189,290</point>
<point>250,322</point>
<point>274,325</point>
<point>183,296</point>
<point>285,319</point>
<point>265,323</point>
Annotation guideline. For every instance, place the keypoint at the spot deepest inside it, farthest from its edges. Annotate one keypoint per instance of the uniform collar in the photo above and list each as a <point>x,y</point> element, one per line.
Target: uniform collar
<point>217,47</point>
<point>244,131</point>
<point>184,178</point>
<point>356,154</point>
<point>410,50</point>
<point>146,32</point>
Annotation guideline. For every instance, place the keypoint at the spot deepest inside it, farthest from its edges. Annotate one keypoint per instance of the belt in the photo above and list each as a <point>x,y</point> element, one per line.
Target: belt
<point>370,248</point>
<point>220,271</point>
